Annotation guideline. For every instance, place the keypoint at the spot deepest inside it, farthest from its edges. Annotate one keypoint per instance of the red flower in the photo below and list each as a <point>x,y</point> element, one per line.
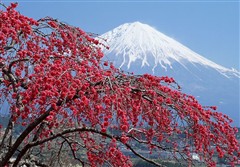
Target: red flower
<point>105,63</point>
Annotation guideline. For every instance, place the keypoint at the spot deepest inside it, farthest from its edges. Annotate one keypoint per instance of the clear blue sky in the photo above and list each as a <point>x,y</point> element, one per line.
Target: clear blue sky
<point>210,28</point>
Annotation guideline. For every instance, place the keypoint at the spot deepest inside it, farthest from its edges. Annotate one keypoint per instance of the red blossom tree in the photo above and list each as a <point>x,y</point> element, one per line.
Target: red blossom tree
<point>57,88</point>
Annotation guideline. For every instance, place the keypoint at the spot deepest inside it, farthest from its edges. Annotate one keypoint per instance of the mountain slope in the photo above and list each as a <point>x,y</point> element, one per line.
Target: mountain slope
<point>139,48</point>
<point>137,41</point>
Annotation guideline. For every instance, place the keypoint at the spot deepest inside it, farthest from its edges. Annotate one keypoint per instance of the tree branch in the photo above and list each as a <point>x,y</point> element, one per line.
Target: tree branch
<point>73,152</point>
<point>85,129</point>
<point>16,61</point>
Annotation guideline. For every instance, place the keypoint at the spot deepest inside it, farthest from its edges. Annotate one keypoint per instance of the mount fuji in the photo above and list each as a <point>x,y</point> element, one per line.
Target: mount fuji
<point>139,48</point>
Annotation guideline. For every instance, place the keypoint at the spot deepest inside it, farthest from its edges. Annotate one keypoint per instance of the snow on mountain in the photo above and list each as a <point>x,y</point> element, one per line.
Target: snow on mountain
<point>139,48</point>
<point>138,41</point>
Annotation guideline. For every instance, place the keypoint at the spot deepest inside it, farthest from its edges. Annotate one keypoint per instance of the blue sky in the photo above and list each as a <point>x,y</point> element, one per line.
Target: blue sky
<point>210,28</point>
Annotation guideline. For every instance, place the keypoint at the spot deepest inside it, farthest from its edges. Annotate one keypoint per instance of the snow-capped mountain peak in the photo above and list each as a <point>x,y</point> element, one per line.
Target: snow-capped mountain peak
<point>140,42</point>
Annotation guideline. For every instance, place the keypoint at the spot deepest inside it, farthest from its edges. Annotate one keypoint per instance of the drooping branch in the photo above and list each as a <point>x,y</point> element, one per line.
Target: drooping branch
<point>73,152</point>
<point>81,129</point>
<point>142,157</point>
